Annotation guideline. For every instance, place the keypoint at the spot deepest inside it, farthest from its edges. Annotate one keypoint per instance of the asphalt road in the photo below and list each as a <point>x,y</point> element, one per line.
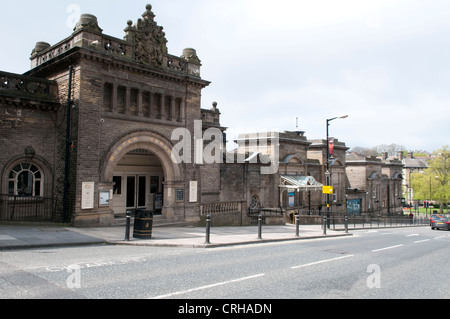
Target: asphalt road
<point>383,263</point>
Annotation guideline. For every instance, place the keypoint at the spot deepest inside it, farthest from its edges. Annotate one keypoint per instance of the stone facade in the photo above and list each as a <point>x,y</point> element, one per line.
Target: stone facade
<point>374,185</point>
<point>92,125</point>
<point>127,98</point>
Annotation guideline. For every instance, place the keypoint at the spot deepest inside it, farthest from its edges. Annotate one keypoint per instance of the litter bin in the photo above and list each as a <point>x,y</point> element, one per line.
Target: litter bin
<point>143,224</point>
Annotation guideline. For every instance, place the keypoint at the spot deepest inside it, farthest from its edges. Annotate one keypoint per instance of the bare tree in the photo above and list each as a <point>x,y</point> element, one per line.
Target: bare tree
<point>391,149</point>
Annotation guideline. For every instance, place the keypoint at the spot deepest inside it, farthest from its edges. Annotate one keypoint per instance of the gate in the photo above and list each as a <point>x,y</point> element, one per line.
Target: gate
<point>30,209</point>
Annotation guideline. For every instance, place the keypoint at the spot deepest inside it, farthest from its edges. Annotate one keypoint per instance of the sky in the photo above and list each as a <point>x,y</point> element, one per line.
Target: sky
<point>274,64</point>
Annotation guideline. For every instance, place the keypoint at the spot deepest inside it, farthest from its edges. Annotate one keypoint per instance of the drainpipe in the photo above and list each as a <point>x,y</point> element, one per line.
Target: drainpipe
<point>66,174</point>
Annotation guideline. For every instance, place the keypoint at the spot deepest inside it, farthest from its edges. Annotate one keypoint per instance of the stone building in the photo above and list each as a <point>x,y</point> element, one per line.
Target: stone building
<point>100,126</point>
<point>374,185</point>
<point>297,184</point>
<point>411,164</point>
<point>126,98</point>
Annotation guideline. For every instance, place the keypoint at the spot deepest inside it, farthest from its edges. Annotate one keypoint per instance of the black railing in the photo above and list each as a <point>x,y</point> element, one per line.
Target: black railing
<point>30,209</point>
<point>265,212</point>
<point>339,221</point>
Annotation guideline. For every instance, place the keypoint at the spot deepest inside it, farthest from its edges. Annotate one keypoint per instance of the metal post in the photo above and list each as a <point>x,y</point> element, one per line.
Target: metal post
<point>208,229</point>
<point>260,226</point>
<point>346,224</point>
<point>127,229</point>
<point>324,225</point>
<point>297,225</point>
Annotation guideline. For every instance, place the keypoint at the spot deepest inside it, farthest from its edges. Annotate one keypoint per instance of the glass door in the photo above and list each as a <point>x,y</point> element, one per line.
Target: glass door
<point>131,192</point>
<point>136,192</point>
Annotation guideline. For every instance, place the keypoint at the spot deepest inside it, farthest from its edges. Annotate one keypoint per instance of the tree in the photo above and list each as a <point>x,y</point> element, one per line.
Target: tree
<point>435,180</point>
<point>392,149</point>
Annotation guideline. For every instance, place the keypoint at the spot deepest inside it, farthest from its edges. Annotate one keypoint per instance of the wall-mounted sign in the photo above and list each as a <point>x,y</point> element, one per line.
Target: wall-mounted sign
<point>328,190</point>
<point>291,199</point>
<point>104,198</point>
<point>193,190</point>
<point>159,201</point>
<point>180,195</point>
<point>87,195</point>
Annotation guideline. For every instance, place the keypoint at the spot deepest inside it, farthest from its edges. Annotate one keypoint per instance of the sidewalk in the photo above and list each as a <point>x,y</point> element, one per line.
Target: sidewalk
<point>23,237</point>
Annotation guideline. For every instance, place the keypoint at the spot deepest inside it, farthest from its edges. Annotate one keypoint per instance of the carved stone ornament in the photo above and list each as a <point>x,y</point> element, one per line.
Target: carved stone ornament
<point>150,40</point>
<point>30,152</point>
<point>88,22</point>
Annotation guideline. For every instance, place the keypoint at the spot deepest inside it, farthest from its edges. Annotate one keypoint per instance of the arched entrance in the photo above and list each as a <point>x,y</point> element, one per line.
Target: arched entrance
<point>143,176</point>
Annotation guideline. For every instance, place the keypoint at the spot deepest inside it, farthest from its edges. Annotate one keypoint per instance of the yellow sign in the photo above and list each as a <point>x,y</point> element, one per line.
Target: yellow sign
<point>328,190</point>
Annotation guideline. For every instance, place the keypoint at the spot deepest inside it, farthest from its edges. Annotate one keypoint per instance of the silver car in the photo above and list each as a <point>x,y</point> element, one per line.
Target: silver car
<point>440,223</point>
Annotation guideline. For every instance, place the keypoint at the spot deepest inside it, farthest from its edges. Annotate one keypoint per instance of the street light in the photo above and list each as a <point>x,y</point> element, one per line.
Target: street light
<point>328,173</point>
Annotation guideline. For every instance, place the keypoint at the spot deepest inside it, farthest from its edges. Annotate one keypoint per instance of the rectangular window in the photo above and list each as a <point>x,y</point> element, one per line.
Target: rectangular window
<point>157,105</point>
<point>37,188</point>
<point>107,97</point>
<point>134,102</point>
<point>11,190</point>
<point>117,180</point>
<point>154,184</point>
<point>121,97</point>
<point>146,104</point>
<point>177,115</point>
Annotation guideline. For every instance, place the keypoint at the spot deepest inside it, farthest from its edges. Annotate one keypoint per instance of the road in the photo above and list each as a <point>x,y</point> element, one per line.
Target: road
<point>382,263</point>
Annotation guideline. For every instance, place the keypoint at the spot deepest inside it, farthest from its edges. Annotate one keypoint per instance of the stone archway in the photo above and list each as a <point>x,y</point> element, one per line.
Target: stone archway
<point>159,147</point>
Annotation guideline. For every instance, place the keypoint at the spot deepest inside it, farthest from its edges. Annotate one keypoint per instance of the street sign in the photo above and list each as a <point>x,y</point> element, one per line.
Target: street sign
<point>328,190</point>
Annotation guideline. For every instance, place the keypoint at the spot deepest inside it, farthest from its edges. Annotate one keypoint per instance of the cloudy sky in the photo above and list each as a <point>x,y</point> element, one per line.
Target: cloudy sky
<point>382,62</point>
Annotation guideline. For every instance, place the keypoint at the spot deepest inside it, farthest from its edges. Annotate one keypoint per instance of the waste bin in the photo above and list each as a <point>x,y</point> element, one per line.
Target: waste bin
<point>143,224</point>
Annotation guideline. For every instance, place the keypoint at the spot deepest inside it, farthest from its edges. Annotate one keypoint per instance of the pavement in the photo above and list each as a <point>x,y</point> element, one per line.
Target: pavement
<point>39,236</point>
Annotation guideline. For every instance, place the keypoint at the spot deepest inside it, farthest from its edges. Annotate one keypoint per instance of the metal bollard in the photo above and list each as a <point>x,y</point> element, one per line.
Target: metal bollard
<point>208,229</point>
<point>260,226</point>
<point>128,224</point>
<point>297,225</point>
<point>346,224</point>
<point>324,225</point>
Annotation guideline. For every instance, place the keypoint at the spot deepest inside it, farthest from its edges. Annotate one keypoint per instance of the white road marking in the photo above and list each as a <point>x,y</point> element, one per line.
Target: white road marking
<point>322,261</point>
<point>207,287</point>
<point>421,241</point>
<point>7,237</point>
<point>386,248</point>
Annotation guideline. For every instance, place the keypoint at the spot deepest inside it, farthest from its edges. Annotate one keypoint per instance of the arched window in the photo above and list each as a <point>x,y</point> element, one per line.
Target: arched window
<point>25,180</point>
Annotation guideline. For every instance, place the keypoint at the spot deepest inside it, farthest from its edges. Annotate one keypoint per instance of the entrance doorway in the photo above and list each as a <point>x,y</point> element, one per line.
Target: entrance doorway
<point>149,155</point>
<point>138,183</point>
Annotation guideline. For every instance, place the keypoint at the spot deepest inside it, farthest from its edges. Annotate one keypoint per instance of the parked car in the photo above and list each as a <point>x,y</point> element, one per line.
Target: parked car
<point>440,223</point>
<point>433,218</point>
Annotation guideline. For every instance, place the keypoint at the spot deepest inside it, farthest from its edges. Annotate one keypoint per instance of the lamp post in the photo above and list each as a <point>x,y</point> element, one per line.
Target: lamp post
<point>328,173</point>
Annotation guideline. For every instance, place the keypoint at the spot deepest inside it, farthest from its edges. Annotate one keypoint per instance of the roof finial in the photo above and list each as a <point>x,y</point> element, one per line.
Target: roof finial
<point>148,14</point>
